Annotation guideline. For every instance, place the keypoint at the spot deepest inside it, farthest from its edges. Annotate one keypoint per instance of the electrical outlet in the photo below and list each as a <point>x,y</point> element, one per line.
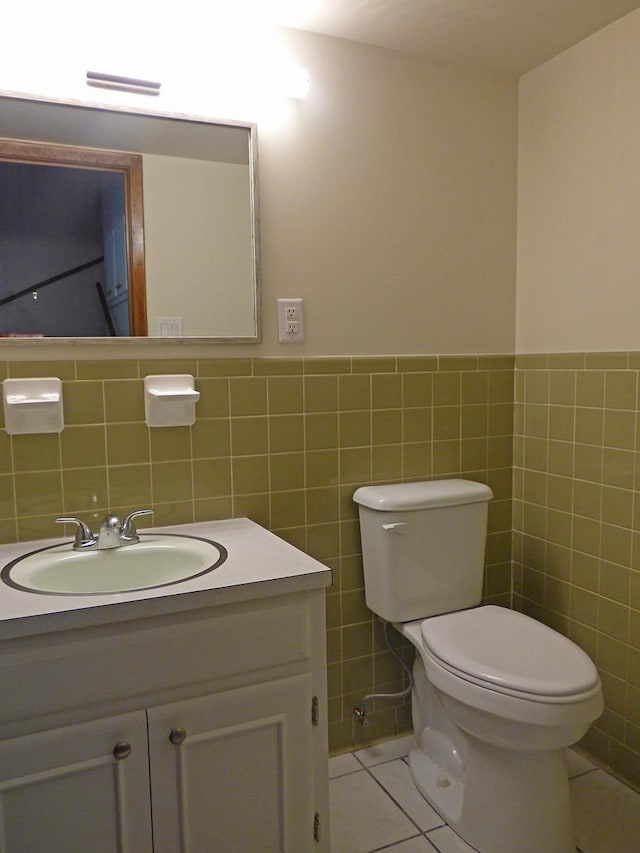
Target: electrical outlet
<point>169,327</point>
<point>290,321</point>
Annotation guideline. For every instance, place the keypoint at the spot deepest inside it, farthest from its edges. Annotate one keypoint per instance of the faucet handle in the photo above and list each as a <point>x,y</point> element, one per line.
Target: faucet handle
<point>128,528</point>
<point>84,536</point>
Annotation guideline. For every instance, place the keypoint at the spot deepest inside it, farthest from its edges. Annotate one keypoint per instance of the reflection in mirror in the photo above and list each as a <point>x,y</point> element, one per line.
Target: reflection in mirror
<point>72,260</point>
<point>160,232</point>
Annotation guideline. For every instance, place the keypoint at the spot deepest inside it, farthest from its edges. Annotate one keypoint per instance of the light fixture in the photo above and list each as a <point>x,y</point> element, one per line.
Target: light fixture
<point>123,84</point>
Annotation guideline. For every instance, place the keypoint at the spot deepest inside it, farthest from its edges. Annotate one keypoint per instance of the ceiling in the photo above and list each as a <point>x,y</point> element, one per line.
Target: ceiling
<point>507,35</point>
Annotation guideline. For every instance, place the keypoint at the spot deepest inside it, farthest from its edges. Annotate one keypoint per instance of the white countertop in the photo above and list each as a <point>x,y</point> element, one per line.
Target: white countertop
<point>259,564</point>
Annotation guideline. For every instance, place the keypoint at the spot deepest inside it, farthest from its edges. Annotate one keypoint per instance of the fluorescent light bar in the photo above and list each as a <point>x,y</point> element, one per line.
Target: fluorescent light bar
<point>122,84</point>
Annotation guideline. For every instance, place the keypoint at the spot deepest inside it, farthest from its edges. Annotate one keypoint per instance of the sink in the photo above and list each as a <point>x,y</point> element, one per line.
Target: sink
<point>158,559</point>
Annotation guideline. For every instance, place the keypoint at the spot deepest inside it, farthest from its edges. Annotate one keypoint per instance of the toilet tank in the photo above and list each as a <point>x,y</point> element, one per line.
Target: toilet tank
<point>423,546</point>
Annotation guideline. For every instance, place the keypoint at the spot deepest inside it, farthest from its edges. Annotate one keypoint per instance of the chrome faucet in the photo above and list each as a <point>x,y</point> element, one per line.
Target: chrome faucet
<point>112,533</point>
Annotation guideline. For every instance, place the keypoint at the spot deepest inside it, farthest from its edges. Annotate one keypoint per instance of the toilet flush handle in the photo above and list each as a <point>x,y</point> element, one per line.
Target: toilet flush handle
<point>396,527</point>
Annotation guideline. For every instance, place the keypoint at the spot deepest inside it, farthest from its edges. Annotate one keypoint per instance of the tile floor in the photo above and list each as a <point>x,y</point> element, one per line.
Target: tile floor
<point>375,807</point>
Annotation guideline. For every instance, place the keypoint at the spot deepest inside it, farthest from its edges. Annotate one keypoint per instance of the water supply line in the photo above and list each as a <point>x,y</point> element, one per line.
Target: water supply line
<point>359,714</point>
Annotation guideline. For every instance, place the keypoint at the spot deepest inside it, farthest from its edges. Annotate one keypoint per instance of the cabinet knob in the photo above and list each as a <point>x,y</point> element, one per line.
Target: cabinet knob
<point>177,735</point>
<point>122,750</point>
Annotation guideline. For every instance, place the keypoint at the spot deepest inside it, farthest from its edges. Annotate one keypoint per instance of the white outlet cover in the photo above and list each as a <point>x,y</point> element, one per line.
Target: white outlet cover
<point>286,317</point>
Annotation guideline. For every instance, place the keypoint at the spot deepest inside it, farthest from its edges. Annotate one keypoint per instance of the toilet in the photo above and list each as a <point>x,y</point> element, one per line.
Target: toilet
<point>497,697</point>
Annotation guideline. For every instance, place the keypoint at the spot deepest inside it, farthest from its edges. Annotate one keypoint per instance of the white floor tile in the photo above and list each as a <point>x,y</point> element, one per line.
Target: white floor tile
<point>413,845</point>
<point>606,814</point>
<point>387,751</point>
<point>395,777</point>
<point>577,764</point>
<point>340,765</point>
<point>363,817</point>
<point>446,841</point>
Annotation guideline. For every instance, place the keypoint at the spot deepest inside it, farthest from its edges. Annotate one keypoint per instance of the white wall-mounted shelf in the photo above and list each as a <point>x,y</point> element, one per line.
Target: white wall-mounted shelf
<point>33,406</point>
<point>170,400</point>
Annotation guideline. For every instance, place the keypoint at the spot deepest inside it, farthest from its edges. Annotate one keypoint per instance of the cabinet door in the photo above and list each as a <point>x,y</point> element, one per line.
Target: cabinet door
<point>241,780</point>
<point>65,791</point>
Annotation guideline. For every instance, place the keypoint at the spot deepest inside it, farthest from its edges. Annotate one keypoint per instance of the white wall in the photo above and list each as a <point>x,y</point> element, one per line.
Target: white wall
<point>579,197</point>
<point>388,203</point>
<point>198,248</point>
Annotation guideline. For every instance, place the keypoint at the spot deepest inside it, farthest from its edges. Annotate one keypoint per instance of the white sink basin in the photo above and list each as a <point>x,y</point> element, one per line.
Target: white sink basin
<point>159,559</point>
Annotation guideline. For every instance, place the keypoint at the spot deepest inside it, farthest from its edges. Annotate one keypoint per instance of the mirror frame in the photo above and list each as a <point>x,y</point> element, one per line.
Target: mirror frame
<point>134,202</point>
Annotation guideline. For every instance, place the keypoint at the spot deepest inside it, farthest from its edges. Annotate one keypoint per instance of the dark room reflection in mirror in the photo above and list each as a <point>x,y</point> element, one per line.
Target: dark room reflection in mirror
<point>66,265</point>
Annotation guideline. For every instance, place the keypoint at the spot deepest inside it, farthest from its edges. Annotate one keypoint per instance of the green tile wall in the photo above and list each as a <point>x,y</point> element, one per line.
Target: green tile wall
<point>285,442</point>
<point>577,524</point>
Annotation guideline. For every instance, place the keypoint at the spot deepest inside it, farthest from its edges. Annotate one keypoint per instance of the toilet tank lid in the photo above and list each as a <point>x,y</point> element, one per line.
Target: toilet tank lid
<point>423,495</point>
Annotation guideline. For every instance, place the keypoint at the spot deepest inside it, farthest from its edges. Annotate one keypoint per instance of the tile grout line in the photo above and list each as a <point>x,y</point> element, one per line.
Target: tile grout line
<point>395,802</point>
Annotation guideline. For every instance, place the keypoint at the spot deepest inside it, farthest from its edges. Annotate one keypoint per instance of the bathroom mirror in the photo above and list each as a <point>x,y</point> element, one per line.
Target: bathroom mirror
<point>186,248</point>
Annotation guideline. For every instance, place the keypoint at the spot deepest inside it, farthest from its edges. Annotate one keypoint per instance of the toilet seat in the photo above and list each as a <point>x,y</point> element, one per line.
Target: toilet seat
<point>510,653</point>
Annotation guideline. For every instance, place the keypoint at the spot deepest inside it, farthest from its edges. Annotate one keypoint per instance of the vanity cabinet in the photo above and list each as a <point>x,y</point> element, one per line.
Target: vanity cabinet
<point>193,731</point>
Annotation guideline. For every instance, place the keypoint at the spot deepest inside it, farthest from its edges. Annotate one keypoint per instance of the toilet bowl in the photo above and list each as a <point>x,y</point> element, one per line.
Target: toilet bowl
<point>497,699</point>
